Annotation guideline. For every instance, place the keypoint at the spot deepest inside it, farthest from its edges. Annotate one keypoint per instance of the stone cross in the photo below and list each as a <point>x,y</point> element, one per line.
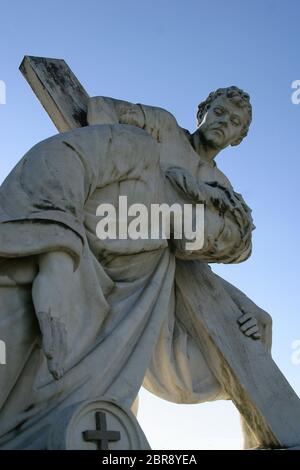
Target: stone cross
<point>259,390</point>
<point>101,435</point>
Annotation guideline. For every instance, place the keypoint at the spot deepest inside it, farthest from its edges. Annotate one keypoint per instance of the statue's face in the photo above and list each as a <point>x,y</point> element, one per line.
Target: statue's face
<point>222,123</point>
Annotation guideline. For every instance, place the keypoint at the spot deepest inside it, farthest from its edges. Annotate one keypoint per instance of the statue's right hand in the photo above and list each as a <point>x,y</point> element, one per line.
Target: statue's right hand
<point>218,197</point>
<point>54,342</point>
<point>183,181</point>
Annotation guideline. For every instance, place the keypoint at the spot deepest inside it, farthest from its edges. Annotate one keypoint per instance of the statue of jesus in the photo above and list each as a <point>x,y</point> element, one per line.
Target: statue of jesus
<point>87,317</point>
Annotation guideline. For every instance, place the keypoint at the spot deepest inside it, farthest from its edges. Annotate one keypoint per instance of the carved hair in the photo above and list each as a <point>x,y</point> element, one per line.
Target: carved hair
<point>238,97</point>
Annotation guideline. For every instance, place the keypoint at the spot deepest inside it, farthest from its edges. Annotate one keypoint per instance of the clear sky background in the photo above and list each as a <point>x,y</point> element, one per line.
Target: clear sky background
<point>172,53</point>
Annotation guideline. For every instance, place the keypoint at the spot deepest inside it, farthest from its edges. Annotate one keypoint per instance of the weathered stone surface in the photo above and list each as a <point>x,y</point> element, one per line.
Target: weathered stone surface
<point>92,317</point>
<point>58,90</point>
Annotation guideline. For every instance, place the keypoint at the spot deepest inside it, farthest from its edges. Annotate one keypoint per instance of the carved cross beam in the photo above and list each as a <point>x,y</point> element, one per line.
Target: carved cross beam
<point>59,91</point>
<point>101,435</point>
<point>259,390</point>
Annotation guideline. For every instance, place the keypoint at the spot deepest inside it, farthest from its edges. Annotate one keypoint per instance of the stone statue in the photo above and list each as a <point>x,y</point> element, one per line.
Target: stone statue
<point>85,317</point>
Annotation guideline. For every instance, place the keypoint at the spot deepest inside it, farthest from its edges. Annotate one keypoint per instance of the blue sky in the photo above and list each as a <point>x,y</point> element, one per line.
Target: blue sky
<point>172,54</point>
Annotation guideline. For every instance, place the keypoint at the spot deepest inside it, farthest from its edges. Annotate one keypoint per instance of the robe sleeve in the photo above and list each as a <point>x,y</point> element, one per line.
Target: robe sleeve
<point>42,200</point>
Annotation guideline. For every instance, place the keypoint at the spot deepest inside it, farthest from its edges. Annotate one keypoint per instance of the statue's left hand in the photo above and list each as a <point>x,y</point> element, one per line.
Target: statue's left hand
<point>52,293</point>
<point>249,325</point>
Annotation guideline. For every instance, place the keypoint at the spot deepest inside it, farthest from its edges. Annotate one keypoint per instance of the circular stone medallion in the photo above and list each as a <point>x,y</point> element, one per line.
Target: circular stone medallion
<point>101,424</point>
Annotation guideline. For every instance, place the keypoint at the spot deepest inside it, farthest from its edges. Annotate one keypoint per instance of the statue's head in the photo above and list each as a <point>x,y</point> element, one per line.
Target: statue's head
<point>224,117</point>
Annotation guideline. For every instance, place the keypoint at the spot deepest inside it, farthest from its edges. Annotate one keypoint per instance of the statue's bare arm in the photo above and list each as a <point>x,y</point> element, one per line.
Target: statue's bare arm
<point>51,276</point>
<point>51,293</point>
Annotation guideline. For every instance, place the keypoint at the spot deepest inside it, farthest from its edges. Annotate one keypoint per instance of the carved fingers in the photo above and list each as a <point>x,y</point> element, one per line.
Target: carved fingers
<point>54,342</point>
<point>249,326</point>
